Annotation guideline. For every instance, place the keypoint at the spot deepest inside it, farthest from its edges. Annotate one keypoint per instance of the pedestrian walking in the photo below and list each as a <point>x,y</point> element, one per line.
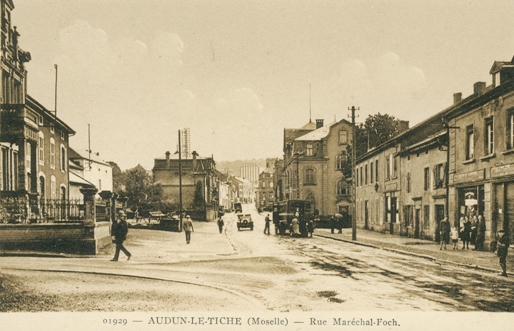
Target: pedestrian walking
<point>332,224</point>
<point>340,224</point>
<point>310,227</point>
<point>119,231</point>
<point>444,233</point>
<point>465,232</point>
<point>220,224</point>
<point>502,250</point>
<point>187,225</point>
<point>267,221</point>
<point>479,243</point>
<point>455,237</point>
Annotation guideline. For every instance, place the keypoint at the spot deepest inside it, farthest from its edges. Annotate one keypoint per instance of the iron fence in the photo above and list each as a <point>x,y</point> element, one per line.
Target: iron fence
<point>20,210</point>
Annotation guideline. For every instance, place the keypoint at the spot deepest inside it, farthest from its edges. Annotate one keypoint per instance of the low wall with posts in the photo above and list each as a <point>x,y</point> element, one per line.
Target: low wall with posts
<point>71,238</point>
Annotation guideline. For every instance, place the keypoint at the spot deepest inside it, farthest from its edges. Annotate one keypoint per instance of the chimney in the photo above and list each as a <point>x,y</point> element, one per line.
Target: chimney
<point>319,124</point>
<point>479,88</point>
<point>167,159</point>
<point>194,160</point>
<point>457,97</point>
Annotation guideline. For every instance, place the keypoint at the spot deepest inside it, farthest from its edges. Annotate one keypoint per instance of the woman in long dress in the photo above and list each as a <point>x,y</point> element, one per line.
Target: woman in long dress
<point>296,227</point>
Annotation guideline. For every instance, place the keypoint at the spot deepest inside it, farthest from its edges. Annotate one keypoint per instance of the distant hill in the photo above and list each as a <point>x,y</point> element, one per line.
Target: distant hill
<point>233,167</point>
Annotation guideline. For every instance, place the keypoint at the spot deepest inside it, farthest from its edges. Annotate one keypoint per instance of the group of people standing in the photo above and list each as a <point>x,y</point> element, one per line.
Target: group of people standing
<point>473,231</point>
<point>470,231</point>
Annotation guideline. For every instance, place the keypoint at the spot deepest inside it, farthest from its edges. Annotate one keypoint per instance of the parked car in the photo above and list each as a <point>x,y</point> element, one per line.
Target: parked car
<point>244,221</point>
<point>238,207</point>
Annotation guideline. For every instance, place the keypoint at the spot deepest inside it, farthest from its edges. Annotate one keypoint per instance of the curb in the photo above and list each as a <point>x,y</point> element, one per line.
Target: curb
<point>424,256</point>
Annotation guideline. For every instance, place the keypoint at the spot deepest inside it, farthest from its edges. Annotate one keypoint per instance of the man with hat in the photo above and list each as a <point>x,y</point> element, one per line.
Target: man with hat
<point>119,231</point>
<point>187,225</point>
<point>502,250</point>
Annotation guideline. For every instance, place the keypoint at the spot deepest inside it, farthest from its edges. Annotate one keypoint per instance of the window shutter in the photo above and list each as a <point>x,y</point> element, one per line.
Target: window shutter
<point>435,177</point>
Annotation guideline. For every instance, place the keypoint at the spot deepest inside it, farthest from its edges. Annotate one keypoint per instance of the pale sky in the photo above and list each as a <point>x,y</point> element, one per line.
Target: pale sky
<point>238,72</point>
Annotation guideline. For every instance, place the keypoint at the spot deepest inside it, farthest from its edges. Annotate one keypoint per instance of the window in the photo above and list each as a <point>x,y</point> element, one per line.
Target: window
<point>426,216</point>
<point>470,143</point>
<point>53,187</point>
<point>41,148</point>
<point>357,177</point>
<point>371,172</point>
<point>52,153</point>
<point>366,174</point>
<point>309,150</point>
<point>376,171</point>
<point>426,178</point>
<point>440,175</point>
<point>510,129</point>
<point>395,167</point>
<point>489,136</point>
<point>63,158</point>
<point>340,159</point>
<point>342,187</point>
<point>309,177</point>
<point>388,166</point>
<point>343,137</point>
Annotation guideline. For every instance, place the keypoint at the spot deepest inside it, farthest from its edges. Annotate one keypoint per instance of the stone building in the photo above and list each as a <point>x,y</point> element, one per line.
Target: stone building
<point>482,152</point>
<point>33,141</point>
<point>313,158</point>
<point>265,192</point>
<point>198,178</point>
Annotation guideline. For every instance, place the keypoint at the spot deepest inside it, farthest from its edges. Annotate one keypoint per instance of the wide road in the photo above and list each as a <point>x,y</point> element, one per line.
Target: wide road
<point>247,270</point>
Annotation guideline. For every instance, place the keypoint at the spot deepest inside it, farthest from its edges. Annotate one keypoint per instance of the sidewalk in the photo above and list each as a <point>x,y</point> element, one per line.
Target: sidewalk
<point>485,261</point>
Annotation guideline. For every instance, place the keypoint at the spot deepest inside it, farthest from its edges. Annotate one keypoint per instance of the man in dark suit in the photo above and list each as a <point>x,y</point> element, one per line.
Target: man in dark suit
<point>119,231</point>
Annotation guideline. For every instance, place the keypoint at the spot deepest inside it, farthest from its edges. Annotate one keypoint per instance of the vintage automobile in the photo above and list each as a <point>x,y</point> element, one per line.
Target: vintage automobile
<point>244,221</point>
<point>238,207</point>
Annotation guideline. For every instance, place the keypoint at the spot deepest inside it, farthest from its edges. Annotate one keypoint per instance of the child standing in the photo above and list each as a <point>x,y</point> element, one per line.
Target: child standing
<point>455,236</point>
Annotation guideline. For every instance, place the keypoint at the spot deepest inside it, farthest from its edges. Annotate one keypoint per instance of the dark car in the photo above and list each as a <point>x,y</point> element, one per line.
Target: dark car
<point>244,221</point>
<point>238,207</point>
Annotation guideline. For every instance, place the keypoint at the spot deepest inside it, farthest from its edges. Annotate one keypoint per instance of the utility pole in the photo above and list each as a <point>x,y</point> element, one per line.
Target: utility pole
<point>180,181</point>
<point>354,174</point>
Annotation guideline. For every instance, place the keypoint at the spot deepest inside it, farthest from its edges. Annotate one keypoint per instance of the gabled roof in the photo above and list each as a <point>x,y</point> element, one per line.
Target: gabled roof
<point>498,65</point>
<point>74,155</point>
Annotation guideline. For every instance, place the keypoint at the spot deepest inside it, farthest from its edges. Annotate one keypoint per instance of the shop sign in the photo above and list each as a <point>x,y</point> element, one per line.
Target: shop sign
<point>503,170</point>
<point>467,177</point>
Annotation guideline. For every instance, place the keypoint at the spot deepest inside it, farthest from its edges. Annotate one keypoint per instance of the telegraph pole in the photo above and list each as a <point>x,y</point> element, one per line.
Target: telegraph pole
<point>354,174</point>
<point>180,180</point>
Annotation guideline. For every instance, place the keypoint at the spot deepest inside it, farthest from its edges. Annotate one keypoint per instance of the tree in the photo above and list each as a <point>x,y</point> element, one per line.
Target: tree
<point>137,183</point>
<point>375,130</point>
<point>118,178</point>
<point>379,129</point>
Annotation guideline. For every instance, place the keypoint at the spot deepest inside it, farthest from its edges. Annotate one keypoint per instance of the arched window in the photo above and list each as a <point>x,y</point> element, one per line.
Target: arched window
<point>340,159</point>
<point>342,187</point>
<point>63,158</point>
<point>310,177</point>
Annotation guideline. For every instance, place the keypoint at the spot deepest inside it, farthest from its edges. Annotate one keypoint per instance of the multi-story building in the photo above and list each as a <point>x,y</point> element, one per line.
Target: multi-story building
<point>93,169</point>
<point>481,160</point>
<point>198,178</point>
<point>313,164</point>
<point>265,193</point>
<point>33,141</point>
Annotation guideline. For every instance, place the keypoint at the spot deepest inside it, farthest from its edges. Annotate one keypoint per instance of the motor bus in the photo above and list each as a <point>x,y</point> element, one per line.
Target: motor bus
<point>285,211</point>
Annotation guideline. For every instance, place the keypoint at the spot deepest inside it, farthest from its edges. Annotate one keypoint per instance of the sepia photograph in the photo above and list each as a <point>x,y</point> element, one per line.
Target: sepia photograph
<point>257,165</point>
